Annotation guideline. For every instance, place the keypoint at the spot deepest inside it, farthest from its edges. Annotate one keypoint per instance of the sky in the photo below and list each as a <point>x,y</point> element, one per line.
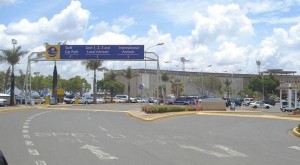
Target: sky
<point>229,35</point>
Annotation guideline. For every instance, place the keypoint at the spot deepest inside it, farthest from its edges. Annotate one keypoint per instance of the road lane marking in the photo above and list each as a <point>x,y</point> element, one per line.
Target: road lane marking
<point>26,136</point>
<point>116,136</point>
<point>26,123</point>
<point>99,153</point>
<point>33,152</point>
<point>217,154</point>
<point>89,118</point>
<point>26,126</point>
<point>40,162</point>
<point>25,131</point>
<point>230,151</point>
<point>28,120</point>
<point>29,143</point>
<point>295,147</point>
<point>103,129</point>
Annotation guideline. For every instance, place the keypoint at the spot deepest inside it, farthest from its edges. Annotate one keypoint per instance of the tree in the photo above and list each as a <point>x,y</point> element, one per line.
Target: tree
<point>246,92</point>
<point>75,84</point>
<point>128,74</point>
<point>266,84</point>
<point>165,78</point>
<point>93,65</point>
<point>177,87</point>
<point>110,84</point>
<point>12,56</point>
<point>212,84</point>
<point>227,87</point>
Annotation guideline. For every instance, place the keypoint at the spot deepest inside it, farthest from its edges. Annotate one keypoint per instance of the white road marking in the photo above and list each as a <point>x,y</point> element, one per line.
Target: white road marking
<point>99,153</point>
<point>295,147</point>
<point>26,123</point>
<point>29,143</point>
<point>33,152</point>
<point>103,129</point>
<point>28,120</point>
<point>217,154</point>
<point>25,131</point>
<point>116,136</point>
<point>89,118</point>
<point>230,151</point>
<point>26,126</point>
<point>26,136</point>
<point>40,162</point>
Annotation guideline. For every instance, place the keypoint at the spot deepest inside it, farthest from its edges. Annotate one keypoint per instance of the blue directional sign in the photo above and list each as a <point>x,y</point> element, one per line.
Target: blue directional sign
<point>89,52</point>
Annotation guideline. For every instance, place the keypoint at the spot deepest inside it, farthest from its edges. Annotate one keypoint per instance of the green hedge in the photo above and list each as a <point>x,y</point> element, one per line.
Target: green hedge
<point>169,108</point>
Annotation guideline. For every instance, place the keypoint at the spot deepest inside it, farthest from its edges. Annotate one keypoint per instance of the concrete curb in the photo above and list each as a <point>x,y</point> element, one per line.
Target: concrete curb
<point>296,133</point>
<point>16,109</point>
<point>160,117</point>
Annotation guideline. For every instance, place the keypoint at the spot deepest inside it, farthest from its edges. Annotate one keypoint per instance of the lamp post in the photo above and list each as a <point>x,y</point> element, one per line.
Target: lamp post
<point>157,75</point>
<point>234,73</point>
<point>202,78</point>
<point>12,86</point>
<point>159,44</point>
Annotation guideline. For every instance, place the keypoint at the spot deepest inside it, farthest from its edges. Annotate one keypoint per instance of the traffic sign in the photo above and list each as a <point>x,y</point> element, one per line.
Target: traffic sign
<point>141,86</point>
<point>89,52</point>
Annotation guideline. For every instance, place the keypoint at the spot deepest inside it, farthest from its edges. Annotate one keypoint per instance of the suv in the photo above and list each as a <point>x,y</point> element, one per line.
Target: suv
<point>69,99</point>
<point>3,102</point>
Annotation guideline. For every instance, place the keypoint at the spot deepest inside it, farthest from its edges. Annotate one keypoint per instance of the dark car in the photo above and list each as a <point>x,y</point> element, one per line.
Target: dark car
<point>184,101</point>
<point>238,101</point>
<point>269,101</point>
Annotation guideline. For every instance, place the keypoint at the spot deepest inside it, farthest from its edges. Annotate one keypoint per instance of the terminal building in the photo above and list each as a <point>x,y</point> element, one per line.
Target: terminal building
<point>146,82</point>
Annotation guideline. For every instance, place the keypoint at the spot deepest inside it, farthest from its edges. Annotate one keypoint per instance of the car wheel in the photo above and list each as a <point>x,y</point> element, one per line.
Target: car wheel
<point>254,106</point>
<point>267,107</point>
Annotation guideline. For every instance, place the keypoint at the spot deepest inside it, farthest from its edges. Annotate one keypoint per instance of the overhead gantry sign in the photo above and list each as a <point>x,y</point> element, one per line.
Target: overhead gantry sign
<point>94,52</point>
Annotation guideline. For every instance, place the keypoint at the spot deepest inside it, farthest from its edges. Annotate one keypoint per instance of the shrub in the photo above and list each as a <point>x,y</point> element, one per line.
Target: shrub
<point>169,108</point>
<point>299,128</point>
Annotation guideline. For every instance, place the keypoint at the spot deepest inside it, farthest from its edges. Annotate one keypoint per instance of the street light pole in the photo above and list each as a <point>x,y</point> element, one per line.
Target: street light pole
<point>12,86</point>
<point>234,73</point>
<point>157,75</point>
<point>202,78</point>
<point>159,44</point>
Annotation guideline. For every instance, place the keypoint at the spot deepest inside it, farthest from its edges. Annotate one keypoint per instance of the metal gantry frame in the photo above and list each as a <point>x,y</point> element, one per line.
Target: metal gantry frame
<point>41,56</point>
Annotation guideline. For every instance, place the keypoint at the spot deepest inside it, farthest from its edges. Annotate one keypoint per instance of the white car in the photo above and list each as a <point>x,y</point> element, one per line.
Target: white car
<point>260,104</point>
<point>3,102</point>
<point>118,100</point>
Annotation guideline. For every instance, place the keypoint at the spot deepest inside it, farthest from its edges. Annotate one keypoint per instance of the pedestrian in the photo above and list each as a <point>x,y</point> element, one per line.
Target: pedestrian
<point>2,159</point>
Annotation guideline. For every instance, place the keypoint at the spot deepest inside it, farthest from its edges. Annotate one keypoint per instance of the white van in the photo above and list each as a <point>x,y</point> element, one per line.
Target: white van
<point>247,101</point>
<point>122,97</point>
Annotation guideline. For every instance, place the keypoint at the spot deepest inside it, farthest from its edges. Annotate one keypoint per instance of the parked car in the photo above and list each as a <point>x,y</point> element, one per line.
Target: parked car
<point>3,102</point>
<point>270,101</point>
<point>260,104</point>
<point>247,101</point>
<point>133,100</point>
<point>20,100</point>
<point>119,100</point>
<point>184,101</point>
<point>69,99</point>
<point>122,97</point>
<point>100,100</point>
<point>85,100</point>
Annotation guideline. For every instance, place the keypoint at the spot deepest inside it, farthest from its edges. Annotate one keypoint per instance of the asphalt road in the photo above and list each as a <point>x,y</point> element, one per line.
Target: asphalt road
<point>110,136</point>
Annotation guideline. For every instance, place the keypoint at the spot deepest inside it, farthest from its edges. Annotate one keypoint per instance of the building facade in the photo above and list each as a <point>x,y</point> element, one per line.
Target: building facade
<point>148,79</point>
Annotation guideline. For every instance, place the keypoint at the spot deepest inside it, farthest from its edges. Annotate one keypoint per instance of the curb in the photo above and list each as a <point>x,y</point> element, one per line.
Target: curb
<point>16,109</point>
<point>296,133</point>
<point>160,117</point>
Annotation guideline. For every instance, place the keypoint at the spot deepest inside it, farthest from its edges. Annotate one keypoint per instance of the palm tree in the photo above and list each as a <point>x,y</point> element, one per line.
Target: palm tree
<point>12,57</point>
<point>177,87</point>
<point>128,74</point>
<point>165,78</point>
<point>93,65</point>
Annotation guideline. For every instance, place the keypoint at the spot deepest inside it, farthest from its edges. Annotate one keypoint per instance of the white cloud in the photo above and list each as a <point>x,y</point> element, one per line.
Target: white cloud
<point>7,2</point>
<point>281,49</point>
<point>118,25</point>
<point>222,23</point>
<point>70,24</point>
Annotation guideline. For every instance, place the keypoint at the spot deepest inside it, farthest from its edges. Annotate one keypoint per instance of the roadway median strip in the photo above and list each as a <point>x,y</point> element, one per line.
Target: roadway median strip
<point>151,117</point>
<point>296,132</point>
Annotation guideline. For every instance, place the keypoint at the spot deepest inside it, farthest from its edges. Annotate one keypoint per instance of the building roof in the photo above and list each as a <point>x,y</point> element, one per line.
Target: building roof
<point>278,71</point>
